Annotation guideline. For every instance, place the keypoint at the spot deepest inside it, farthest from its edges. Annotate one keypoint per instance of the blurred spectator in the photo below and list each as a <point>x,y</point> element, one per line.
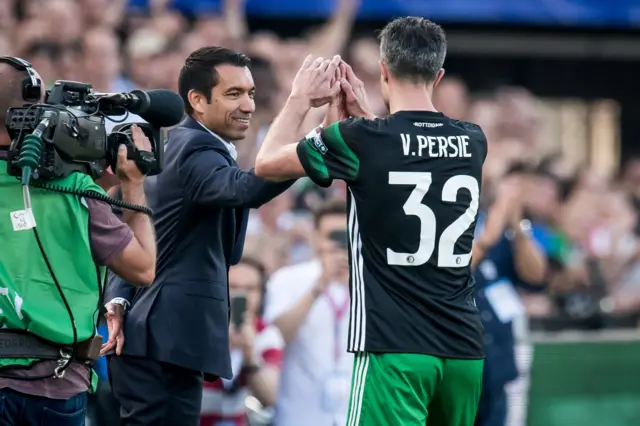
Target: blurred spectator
<point>102,63</point>
<point>256,353</point>
<point>451,98</point>
<point>309,303</point>
<point>507,258</point>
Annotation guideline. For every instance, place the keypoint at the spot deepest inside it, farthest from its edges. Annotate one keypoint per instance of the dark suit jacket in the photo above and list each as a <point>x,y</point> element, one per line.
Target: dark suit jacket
<point>200,205</point>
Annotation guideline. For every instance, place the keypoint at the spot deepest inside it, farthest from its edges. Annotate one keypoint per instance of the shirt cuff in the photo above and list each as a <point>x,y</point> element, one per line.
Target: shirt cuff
<point>120,301</point>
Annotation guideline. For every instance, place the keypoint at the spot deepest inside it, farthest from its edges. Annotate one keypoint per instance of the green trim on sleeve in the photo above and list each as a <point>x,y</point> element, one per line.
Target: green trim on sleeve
<point>313,163</point>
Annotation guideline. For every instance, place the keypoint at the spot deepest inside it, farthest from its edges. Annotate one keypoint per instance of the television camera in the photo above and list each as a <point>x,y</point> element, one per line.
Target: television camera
<point>67,133</point>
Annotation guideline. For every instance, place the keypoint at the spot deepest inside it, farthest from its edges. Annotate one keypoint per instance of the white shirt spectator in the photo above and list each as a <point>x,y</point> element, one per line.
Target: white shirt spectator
<point>316,371</point>
<point>223,401</point>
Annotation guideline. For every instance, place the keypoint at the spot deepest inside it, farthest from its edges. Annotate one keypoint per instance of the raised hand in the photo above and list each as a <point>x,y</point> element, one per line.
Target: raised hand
<point>356,102</point>
<point>126,169</point>
<point>315,81</point>
<point>337,109</point>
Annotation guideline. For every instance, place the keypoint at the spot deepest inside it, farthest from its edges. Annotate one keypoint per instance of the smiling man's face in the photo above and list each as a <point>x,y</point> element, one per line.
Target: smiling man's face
<point>232,103</point>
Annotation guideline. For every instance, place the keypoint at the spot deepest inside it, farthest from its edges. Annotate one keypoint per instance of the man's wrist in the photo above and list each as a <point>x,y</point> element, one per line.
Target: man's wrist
<point>318,289</point>
<point>133,192</point>
<point>299,102</point>
<point>119,301</point>
<point>481,244</point>
<point>520,231</point>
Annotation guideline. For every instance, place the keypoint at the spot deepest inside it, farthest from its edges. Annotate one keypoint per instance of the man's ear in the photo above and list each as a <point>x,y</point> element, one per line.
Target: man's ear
<point>438,78</point>
<point>384,72</point>
<point>197,101</point>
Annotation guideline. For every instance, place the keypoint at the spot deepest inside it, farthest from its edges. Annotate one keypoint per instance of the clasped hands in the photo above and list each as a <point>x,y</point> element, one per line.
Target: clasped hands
<point>322,81</point>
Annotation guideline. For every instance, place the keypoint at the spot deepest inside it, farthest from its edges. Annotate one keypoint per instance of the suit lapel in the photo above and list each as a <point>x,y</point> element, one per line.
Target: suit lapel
<point>240,215</point>
<point>216,140</point>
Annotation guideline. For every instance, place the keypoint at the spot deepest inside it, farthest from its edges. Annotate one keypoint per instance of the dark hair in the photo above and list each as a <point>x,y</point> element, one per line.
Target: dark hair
<point>413,48</point>
<point>199,73</point>
<point>331,207</point>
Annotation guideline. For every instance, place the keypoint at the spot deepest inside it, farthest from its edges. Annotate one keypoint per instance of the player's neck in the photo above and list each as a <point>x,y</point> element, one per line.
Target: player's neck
<point>410,97</point>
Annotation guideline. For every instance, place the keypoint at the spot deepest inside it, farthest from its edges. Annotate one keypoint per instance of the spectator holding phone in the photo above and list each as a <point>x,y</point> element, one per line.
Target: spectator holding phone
<point>256,352</point>
<point>309,303</point>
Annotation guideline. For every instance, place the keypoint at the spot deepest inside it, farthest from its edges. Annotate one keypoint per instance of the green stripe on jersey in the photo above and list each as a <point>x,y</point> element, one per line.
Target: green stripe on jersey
<point>316,161</point>
<point>349,162</point>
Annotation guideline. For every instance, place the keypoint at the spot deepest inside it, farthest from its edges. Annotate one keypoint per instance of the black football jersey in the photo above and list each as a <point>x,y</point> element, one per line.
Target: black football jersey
<point>414,182</point>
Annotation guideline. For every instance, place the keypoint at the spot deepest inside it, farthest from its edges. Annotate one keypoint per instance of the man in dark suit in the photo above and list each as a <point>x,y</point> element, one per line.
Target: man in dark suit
<point>178,329</point>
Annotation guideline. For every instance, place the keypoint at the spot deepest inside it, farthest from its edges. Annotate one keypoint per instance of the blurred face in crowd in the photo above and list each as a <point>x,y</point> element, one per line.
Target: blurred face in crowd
<point>265,45</point>
<point>101,58</point>
<point>451,98</point>
<point>543,199</point>
<point>326,226</point>
<point>246,280</point>
<point>232,103</point>
<point>170,63</point>
<point>7,17</point>
<point>32,8</point>
<point>333,254</point>
<point>63,26</point>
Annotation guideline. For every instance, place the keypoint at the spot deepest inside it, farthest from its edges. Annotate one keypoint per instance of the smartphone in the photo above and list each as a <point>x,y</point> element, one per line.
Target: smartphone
<point>339,237</point>
<point>238,308</point>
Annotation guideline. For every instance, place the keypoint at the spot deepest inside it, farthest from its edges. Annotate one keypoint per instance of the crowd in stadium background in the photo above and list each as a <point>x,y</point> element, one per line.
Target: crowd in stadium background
<point>588,222</point>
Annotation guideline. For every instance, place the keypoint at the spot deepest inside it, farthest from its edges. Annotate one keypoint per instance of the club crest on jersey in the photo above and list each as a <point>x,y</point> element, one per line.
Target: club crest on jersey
<point>315,137</point>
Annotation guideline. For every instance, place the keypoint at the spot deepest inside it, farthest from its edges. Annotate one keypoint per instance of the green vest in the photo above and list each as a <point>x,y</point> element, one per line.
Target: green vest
<point>29,299</point>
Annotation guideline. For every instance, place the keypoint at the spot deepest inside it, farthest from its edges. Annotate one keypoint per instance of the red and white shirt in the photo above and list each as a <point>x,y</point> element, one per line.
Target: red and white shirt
<point>223,400</point>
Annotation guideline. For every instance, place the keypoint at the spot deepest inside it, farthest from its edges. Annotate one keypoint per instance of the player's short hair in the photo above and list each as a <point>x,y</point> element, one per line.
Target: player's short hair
<point>413,48</point>
<point>10,90</point>
<point>199,72</point>
<point>329,208</point>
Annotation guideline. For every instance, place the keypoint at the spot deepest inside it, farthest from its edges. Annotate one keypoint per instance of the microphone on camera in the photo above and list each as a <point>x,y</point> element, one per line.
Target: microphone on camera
<point>159,107</point>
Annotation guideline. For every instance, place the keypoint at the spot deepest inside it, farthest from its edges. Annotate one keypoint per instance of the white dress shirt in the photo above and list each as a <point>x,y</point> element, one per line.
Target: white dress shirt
<point>231,147</point>
<point>310,359</point>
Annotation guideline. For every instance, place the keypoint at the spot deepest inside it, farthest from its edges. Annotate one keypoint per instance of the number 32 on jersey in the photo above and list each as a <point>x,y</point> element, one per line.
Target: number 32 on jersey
<point>414,207</point>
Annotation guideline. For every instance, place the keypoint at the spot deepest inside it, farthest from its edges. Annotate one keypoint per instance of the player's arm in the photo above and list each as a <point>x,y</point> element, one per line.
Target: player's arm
<point>324,154</point>
<point>314,84</point>
<point>277,159</point>
<point>529,260</point>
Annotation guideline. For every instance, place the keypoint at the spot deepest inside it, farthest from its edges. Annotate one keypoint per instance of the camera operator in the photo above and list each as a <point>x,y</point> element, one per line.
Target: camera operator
<point>44,378</point>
